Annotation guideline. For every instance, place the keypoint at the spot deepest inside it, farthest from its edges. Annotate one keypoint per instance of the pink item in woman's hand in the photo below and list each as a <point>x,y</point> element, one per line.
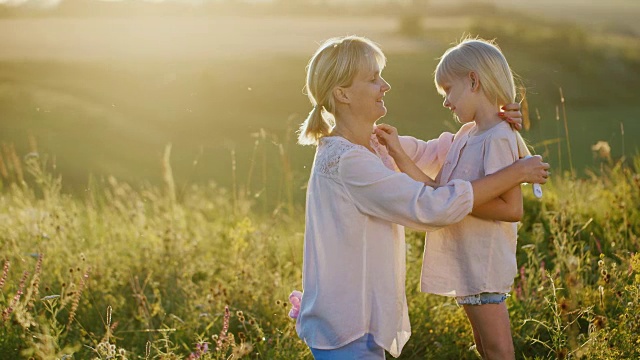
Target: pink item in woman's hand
<point>295,299</point>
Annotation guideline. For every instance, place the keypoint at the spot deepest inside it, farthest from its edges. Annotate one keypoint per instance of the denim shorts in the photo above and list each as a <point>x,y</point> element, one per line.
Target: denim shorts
<point>362,348</point>
<point>482,299</point>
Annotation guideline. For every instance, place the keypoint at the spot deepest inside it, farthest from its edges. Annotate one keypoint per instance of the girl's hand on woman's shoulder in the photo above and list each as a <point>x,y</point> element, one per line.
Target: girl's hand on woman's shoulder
<point>388,136</point>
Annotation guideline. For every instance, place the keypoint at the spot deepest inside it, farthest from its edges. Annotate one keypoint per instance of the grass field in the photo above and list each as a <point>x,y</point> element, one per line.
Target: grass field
<point>147,274</point>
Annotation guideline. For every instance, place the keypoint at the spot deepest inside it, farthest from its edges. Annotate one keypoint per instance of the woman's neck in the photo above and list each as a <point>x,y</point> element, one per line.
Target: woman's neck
<point>356,133</point>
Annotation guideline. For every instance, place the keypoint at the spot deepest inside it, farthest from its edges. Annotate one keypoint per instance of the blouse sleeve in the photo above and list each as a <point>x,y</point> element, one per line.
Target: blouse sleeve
<point>429,155</point>
<point>500,151</point>
<point>380,192</point>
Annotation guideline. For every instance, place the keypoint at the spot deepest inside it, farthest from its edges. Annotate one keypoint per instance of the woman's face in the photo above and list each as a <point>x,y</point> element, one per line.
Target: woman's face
<point>366,94</point>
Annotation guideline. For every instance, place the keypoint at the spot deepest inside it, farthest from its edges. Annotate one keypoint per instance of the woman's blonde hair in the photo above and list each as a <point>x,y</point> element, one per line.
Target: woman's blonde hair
<point>335,63</point>
<point>485,59</point>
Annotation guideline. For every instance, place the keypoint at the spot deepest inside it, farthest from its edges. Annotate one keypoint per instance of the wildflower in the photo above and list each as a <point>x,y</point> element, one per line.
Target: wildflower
<point>295,298</point>
<point>201,349</point>
<point>225,328</point>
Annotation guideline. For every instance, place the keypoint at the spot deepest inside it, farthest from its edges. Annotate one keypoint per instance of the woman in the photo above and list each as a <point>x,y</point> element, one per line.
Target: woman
<point>354,303</point>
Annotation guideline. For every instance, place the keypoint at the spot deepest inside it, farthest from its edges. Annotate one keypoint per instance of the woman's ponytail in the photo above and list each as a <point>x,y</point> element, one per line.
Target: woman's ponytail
<point>314,127</point>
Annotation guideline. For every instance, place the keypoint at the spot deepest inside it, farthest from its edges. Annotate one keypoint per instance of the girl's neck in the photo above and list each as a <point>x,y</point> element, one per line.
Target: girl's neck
<point>486,118</point>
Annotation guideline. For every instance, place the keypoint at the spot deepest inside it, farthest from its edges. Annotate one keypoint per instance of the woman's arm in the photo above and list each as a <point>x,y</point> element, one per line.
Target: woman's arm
<point>383,193</point>
<point>500,150</point>
<point>531,170</point>
<point>506,207</point>
<point>395,197</point>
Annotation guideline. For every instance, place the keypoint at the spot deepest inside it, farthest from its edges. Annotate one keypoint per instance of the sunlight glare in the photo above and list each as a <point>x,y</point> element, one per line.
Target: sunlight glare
<point>44,4</point>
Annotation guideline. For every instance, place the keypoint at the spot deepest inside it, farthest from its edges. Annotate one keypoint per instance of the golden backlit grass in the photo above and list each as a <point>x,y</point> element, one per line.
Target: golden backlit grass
<point>143,273</point>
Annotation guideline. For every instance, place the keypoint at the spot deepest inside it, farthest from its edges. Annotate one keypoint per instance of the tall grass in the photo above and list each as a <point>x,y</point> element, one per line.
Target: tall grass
<point>173,275</point>
<point>145,273</point>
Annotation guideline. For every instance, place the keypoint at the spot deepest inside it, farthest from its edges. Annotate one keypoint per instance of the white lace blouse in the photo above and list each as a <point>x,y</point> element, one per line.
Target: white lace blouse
<point>354,246</point>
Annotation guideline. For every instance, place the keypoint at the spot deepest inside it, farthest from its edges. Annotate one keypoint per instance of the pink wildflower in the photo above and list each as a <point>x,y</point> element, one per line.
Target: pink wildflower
<point>295,299</point>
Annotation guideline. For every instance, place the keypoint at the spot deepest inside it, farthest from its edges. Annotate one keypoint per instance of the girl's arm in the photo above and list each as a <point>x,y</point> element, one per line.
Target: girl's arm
<point>388,136</point>
<point>486,189</point>
<point>429,156</point>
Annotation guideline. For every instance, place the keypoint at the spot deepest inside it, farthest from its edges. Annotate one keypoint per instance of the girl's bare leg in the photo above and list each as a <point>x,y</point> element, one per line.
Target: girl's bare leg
<point>491,330</point>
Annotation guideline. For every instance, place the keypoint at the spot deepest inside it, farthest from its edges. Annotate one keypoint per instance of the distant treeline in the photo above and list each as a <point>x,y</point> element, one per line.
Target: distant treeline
<point>244,7</point>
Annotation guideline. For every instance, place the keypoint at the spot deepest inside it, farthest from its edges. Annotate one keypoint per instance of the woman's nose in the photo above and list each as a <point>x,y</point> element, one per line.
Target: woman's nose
<point>446,103</point>
<point>385,86</point>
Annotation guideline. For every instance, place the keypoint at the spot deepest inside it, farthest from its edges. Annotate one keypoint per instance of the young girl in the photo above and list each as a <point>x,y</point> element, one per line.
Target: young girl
<point>475,260</point>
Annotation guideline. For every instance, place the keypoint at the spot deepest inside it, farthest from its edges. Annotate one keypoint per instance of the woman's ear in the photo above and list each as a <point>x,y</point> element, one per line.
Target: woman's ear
<point>341,95</point>
<point>475,82</point>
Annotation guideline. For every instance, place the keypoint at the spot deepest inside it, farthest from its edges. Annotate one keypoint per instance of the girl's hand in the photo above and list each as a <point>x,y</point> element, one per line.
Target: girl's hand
<point>535,171</point>
<point>511,114</point>
<point>388,136</point>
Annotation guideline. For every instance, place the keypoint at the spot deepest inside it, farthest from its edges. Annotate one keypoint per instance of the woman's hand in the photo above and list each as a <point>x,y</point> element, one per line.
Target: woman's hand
<point>388,136</point>
<point>511,114</point>
<point>534,170</point>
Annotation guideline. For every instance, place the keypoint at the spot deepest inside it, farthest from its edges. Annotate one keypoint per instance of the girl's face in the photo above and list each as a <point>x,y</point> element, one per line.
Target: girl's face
<point>459,98</point>
<point>366,94</point>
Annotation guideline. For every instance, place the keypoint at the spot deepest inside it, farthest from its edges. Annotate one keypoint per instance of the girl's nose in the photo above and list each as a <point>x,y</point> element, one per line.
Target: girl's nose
<point>446,103</point>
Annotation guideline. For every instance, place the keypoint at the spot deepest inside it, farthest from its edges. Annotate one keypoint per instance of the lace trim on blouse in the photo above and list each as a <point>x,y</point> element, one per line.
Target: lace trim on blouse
<point>330,150</point>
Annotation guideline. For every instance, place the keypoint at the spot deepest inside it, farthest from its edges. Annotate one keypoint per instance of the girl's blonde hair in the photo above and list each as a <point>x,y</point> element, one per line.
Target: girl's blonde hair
<point>335,63</point>
<point>485,59</point>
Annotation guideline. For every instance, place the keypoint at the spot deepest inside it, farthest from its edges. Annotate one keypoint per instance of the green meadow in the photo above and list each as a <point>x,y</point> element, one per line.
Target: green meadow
<point>153,208</point>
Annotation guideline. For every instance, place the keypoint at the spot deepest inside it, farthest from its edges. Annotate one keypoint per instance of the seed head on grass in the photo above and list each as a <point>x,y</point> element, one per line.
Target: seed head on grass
<point>34,288</point>
<point>5,273</point>
<point>76,299</point>
<point>7,312</point>
<point>3,168</point>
